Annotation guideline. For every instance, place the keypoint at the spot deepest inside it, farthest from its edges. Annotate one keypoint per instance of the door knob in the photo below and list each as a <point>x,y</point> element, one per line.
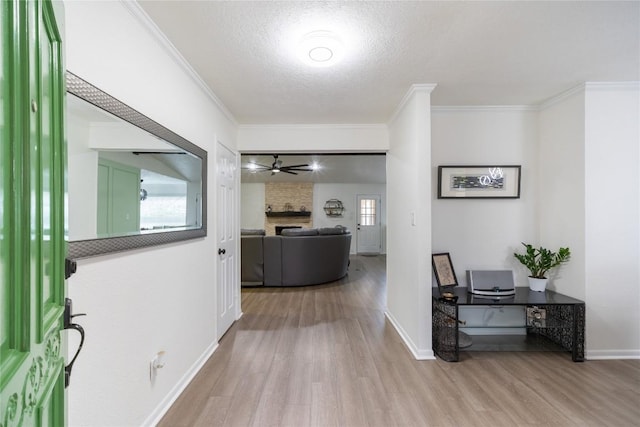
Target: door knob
<point>222,251</point>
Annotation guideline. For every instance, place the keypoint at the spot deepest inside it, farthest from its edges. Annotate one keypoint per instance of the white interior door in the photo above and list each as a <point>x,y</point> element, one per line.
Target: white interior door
<point>368,237</point>
<point>226,208</point>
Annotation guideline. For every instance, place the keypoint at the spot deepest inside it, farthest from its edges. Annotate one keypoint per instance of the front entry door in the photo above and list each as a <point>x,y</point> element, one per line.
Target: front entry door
<point>32,247</point>
<point>228,285</point>
<point>368,229</point>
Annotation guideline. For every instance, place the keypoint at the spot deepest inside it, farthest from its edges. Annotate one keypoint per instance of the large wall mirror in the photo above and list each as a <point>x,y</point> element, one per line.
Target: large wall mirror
<point>132,183</point>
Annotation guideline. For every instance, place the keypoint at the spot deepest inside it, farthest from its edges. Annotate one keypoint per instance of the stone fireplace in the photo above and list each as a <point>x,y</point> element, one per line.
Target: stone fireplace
<point>291,204</point>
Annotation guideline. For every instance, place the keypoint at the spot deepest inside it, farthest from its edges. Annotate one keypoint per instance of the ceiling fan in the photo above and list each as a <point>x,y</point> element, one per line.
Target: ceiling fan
<point>277,166</point>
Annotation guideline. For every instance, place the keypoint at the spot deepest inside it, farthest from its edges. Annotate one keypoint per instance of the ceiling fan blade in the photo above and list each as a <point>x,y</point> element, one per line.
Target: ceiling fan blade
<point>296,166</point>
<point>285,170</point>
<point>261,166</point>
<point>296,169</point>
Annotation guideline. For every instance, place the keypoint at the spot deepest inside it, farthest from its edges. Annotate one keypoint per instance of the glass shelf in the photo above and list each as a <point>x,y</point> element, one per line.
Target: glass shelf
<point>530,342</point>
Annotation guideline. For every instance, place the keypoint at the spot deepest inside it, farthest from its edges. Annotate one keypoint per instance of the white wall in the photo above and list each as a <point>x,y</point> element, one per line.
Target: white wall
<point>313,138</point>
<point>612,221</point>
<point>484,233</point>
<point>409,241</point>
<point>252,205</point>
<point>561,205</point>
<point>347,193</point>
<point>143,301</point>
<point>590,201</point>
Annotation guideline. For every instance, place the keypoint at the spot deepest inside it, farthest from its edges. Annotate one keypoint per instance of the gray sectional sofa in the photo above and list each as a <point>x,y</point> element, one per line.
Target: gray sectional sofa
<point>298,257</point>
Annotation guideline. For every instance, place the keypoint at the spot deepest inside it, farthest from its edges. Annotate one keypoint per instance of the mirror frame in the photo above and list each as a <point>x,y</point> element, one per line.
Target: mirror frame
<point>106,245</point>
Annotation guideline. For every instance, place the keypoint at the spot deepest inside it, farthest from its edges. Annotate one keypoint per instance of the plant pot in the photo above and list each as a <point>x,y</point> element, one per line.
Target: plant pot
<point>538,285</point>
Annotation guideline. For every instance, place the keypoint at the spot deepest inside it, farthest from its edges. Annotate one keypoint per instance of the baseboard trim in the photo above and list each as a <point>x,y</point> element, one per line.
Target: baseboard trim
<point>612,354</point>
<point>418,354</point>
<point>154,418</point>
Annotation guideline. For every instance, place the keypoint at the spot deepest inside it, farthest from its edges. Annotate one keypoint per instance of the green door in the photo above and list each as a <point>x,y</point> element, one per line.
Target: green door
<point>118,198</point>
<point>32,193</point>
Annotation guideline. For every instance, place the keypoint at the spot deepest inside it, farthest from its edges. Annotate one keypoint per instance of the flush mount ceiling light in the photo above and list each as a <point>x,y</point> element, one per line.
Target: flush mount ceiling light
<point>321,49</point>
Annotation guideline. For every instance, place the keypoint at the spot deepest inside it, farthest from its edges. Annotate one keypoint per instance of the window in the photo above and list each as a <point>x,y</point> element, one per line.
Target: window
<point>163,202</point>
<point>368,212</point>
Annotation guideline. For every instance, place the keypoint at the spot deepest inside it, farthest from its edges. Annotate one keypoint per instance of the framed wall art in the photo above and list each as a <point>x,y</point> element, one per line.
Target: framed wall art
<point>479,182</point>
<point>443,269</point>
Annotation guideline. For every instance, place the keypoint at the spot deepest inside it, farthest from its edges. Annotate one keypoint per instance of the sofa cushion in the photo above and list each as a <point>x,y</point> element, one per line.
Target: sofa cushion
<point>272,260</point>
<point>328,231</point>
<point>299,232</point>
<point>252,260</point>
<point>310,260</point>
<point>252,232</point>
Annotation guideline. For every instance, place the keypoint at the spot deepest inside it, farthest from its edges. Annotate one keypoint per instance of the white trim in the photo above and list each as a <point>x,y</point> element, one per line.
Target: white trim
<point>164,406</point>
<point>612,354</point>
<point>418,354</point>
<point>481,108</point>
<point>136,10</point>
<point>633,85</point>
<point>428,88</point>
<point>582,87</point>
<point>561,96</point>
<point>312,126</point>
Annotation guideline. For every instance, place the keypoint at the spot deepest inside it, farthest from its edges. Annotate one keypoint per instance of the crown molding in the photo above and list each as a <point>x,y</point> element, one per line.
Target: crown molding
<point>631,85</point>
<point>561,96</point>
<point>480,108</point>
<point>415,88</point>
<point>583,87</point>
<point>311,126</point>
<point>138,13</point>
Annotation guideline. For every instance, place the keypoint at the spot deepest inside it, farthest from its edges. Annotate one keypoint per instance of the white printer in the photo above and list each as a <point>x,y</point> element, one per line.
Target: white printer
<point>492,283</point>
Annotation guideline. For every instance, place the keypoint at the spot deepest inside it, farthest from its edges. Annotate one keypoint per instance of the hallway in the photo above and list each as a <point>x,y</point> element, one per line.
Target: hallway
<point>325,356</point>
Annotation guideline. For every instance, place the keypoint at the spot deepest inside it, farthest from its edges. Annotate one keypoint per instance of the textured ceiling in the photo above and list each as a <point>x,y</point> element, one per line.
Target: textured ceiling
<point>478,53</point>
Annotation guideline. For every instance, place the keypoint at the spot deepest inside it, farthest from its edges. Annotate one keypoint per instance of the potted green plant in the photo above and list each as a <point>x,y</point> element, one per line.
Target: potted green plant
<point>539,261</point>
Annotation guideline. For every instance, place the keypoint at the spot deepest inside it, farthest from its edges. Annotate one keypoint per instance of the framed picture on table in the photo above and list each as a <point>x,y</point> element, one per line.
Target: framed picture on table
<point>443,270</point>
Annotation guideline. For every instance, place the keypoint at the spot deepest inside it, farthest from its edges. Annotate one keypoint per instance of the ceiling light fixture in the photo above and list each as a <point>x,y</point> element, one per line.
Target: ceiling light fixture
<point>321,49</point>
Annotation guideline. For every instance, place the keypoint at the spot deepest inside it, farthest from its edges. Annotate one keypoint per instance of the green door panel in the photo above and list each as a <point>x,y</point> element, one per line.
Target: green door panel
<point>32,247</point>
<point>126,201</point>
<point>118,198</point>
<point>103,200</point>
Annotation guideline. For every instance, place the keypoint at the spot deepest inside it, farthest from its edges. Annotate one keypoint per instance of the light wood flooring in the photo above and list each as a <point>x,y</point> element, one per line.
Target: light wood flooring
<point>326,356</point>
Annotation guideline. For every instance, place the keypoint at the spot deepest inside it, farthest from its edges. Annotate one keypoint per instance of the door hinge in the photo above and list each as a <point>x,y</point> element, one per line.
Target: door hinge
<point>70,267</point>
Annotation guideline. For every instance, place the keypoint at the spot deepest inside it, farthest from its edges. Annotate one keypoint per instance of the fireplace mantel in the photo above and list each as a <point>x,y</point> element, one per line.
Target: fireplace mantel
<point>287,214</point>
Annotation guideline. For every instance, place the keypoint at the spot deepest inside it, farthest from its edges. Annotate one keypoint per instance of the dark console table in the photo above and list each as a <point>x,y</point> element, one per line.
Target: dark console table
<point>563,322</point>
